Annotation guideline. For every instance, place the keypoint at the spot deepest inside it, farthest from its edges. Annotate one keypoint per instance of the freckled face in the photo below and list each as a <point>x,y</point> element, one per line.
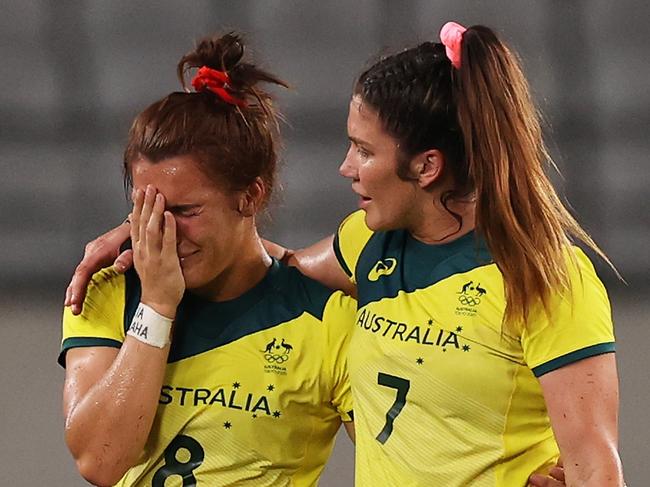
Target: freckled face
<point>208,225</point>
<point>371,164</point>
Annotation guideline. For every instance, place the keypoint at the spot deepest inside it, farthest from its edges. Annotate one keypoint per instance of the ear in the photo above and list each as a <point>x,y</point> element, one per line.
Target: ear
<point>250,200</point>
<point>427,167</point>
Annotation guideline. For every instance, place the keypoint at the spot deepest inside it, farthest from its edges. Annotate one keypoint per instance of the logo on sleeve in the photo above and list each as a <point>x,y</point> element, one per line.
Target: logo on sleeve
<point>382,268</point>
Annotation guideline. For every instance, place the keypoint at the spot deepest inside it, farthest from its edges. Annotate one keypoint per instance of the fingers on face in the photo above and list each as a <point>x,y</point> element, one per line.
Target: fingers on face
<point>138,201</point>
<point>169,236</point>
<point>152,228</point>
<point>154,224</point>
<point>146,218</point>
<point>147,210</point>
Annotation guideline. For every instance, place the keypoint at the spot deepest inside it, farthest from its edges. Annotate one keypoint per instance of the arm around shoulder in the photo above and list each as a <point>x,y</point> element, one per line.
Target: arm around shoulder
<point>99,253</point>
<point>319,262</point>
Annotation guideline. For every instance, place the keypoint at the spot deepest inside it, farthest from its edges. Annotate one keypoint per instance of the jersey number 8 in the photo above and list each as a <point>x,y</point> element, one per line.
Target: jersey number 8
<point>173,466</point>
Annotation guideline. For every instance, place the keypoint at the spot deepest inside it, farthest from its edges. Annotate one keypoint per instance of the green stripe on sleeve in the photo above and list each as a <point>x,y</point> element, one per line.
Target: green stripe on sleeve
<point>569,358</point>
<point>339,256</point>
<point>78,342</point>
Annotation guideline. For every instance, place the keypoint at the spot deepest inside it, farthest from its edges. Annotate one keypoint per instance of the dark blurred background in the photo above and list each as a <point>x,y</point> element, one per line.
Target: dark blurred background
<point>75,73</point>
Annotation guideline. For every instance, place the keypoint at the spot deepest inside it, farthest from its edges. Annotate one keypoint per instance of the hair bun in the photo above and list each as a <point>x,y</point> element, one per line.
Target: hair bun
<point>222,53</point>
<point>226,53</point>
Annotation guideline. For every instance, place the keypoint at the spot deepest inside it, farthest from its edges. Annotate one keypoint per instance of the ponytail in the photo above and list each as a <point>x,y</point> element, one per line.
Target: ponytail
<point>518,212</point>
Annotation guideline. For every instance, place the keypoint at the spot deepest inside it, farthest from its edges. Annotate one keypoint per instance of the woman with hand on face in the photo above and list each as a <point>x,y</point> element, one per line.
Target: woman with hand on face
<point>211,363</point>
<point>483,338</point>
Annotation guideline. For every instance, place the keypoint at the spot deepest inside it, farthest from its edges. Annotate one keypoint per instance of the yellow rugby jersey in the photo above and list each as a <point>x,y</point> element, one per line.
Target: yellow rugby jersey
<point>255,388</point>
<point>442,396</point>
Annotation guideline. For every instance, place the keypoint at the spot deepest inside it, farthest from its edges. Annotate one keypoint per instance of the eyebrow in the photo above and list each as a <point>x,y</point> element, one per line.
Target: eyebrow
<point>359,141</point>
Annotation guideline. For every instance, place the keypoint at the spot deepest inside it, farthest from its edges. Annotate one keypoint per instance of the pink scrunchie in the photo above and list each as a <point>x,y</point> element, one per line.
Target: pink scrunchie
<point>451,35</point>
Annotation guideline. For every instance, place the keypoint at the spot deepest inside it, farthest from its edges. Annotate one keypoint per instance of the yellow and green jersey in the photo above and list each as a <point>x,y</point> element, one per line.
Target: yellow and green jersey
<point>255,388</point>
<point>444,396</point>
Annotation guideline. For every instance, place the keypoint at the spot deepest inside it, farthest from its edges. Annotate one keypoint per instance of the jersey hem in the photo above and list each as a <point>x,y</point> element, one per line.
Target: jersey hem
<point>575,356</point>
<point>79,342</point>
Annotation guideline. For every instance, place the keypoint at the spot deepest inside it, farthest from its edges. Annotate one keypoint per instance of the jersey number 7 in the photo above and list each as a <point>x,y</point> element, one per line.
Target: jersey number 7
<point>402,386</point>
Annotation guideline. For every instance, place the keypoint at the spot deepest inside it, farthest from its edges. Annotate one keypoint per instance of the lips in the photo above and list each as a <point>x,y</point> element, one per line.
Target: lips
<point>363,199</point>
<point>184,255</point>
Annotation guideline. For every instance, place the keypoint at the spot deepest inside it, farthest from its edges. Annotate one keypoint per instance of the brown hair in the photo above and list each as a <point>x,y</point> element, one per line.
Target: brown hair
<point>234,144</point>
<point>481,116</point>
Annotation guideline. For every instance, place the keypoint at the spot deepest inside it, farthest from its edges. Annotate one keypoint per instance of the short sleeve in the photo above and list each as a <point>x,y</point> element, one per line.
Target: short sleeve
<point>101,323</point>
<point>349,241</point>
<point>578,326</point>
<point>338,319</point>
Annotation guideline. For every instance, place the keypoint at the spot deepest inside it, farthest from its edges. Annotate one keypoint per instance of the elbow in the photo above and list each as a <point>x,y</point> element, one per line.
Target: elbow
<point>99,460</point>
<point>594,466</point>
<point>100,471</point>
<point>609,473</point>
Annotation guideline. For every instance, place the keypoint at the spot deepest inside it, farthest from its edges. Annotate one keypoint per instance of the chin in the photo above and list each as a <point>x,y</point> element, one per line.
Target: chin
<point>377,224</point>
<point>192,280</point>
<point>196,277</point>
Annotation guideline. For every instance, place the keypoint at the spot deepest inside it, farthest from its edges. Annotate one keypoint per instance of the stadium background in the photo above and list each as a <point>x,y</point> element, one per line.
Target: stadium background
<point>75,73</point>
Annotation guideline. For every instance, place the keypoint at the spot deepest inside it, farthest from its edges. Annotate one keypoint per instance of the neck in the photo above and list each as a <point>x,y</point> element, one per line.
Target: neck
<point>435,224</point>
<point>248,265</point>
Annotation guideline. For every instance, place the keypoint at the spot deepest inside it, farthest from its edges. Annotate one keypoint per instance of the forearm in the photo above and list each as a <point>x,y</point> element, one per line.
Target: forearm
<point>593,464</point>
<point>107,428</point>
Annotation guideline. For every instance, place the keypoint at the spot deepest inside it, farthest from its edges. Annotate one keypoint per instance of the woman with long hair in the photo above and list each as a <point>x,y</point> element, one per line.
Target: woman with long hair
<point>483,337</point>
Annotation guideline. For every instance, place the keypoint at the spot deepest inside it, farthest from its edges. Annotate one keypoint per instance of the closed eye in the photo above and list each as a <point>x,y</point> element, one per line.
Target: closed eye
<point>186,210</point>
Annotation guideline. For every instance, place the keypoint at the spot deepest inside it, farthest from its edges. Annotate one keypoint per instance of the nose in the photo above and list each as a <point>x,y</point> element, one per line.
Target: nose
<point>348,168</point>
<point>180,228</point>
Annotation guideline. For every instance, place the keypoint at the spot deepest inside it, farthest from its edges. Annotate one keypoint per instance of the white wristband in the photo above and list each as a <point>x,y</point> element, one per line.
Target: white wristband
<point>150,327</point>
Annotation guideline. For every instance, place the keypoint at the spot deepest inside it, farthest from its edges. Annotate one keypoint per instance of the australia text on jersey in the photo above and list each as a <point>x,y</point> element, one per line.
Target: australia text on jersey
<point>406,332</point>
<point>232,398</point>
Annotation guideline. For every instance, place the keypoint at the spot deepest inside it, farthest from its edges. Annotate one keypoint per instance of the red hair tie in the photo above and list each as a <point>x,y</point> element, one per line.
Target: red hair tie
<point>451,35</point>
<point>217,82</point>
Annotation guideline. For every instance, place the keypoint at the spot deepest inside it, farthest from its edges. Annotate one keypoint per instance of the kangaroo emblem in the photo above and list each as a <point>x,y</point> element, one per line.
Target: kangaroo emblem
<point>465,286</point>
<point>270,345</point>
<point>287,347</point>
